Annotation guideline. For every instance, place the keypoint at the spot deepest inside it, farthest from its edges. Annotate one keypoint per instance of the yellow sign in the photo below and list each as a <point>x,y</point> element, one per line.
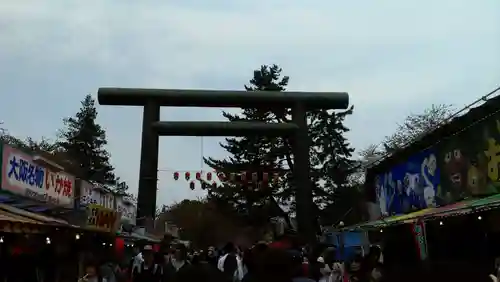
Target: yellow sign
<point>101,218</point>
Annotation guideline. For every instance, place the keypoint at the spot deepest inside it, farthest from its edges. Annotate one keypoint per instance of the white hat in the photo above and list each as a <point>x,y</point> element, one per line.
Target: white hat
<point>148,248</point>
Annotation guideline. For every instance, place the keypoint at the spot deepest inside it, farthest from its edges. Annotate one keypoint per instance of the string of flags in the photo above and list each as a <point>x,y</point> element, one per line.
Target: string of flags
<point>210,178</point>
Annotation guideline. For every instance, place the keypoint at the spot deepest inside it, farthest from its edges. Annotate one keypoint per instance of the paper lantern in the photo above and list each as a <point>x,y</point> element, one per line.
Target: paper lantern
<point>119,246</point>
<point>198,175</point>
<point>191,185</point>
<point>156,248</point>
<point>187,176</point>
<point>209,176</point>
<point>176,175</point>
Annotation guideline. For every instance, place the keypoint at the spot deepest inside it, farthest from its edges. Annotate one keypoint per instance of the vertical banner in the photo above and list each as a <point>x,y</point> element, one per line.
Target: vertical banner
<point>420,239</point>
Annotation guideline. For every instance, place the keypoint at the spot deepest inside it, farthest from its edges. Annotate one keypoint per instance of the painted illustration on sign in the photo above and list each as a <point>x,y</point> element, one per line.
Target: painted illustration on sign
<point>92,194</point>
<point>126,208</point>
<point>409,186</point>
<point>22,176</point>
<point>470,163</point>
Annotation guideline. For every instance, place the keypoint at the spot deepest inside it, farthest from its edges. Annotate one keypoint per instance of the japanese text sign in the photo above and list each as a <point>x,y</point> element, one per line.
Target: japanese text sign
<point>22,176</point>
<point>102,218</point>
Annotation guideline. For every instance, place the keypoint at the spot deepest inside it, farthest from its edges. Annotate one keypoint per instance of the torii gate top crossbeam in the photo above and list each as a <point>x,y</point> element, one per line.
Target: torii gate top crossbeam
<point>221,98</point>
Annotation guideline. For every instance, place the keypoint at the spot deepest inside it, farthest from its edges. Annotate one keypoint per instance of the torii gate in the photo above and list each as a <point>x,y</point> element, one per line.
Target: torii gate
<point>297,131</point>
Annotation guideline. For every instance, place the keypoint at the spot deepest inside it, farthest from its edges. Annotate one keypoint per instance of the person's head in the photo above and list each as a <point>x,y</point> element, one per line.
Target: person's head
<point>210,251</point>
<point>196,258</point>
<point>180,252</point>
<point>229,248</point>
<point>202,273</point>
<point>137,250</point>
<point>354,265</point>
<point>376,273</point>
<point>148,253</point>
<point>275,265</point>
<point>375,252</point>
<point>91,269</point>
<point>297,263</point>
<point>324,268</point>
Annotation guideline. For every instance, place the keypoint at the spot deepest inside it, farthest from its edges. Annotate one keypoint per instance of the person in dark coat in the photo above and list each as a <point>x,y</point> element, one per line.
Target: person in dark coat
<point>177,264</point>
<point>148,270</point>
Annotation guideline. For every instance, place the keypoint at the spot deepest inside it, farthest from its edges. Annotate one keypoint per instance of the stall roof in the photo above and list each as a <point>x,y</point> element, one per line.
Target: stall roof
<point>34,216</point>
<point>460,208</point>
<point>11,217</point>
<point>138,237</point>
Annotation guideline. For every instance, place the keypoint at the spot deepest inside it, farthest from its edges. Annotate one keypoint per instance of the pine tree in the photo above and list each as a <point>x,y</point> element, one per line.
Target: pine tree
<point>83,141</point>
<point>251,154</point>
<point>330,154</point>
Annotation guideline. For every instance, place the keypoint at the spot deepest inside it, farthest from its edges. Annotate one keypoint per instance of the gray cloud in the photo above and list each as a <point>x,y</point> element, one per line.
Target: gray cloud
<point>393,57</point>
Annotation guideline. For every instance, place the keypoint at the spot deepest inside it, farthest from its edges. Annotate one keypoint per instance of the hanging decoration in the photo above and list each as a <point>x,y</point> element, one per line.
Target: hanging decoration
<point>207,179</point>
<point>119,246</point>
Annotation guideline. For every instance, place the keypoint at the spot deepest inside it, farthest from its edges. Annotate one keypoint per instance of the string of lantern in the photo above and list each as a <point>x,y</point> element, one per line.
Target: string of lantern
<point>211,177</point>
<point>214,177</point>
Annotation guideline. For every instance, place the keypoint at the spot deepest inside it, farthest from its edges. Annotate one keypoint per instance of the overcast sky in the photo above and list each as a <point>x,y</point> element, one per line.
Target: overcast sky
<point>393,57</point>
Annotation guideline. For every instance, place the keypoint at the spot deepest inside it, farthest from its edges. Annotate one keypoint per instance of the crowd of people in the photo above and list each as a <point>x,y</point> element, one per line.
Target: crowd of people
<point>259,263</point>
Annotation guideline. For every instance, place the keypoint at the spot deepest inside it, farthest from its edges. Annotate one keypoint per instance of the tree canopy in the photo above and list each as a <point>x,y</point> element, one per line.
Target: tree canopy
<point>411,129</point>
<point>83,140</point>
<point>330,155</point>
<point>200,222</point>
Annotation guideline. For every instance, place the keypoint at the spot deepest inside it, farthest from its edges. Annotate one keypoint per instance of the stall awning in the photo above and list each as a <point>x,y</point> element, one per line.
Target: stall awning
<point>460,208</point>
<point>14,218</point>
<point>13,223</point>
<point>138,237</point>
<point>34,216</point>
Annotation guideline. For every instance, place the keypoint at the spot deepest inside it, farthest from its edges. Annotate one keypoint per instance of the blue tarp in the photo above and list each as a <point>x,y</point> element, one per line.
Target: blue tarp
<point>353,243</point>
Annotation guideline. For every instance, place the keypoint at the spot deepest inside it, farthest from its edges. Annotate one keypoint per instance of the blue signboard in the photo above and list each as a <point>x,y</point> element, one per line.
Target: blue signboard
<point>409,186</point>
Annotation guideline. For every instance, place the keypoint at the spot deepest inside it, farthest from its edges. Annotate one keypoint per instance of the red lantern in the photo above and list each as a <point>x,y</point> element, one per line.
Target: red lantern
<point>265,177</point>
<point>156,248</point>
<point>191,185</point>
<point>209,176</point>
<point>198,175</point>
<point>176,176</point>
<point>119,246</point>
<point>187,175</point>
<point>214,184</point>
